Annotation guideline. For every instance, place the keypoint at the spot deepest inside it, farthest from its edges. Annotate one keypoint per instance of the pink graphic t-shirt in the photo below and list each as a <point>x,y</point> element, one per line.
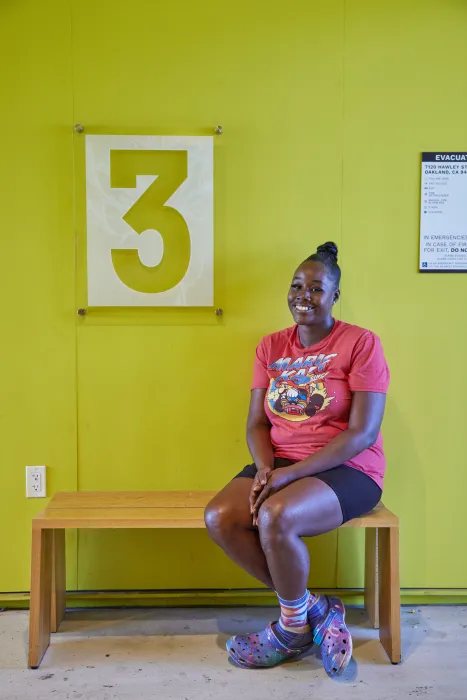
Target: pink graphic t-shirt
<point>309,390</point>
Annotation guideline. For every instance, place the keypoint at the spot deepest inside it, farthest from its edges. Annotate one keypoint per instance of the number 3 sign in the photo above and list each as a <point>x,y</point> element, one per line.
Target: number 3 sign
<point>149,211</point>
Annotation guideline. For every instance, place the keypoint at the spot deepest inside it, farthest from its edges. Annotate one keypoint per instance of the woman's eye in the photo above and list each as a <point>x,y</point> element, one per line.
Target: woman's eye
<point>295,286</point>
<point>316,289</point>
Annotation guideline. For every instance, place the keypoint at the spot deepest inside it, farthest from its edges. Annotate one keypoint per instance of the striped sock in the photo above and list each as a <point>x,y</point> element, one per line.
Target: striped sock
<point>293,628</point>
<point>318,607</point>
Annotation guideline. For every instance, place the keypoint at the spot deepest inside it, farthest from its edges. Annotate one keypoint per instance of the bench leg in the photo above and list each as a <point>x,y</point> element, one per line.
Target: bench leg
<point>371,576</point>
<point>389,592</point>
<point>58,580</point>
<point>41,595</point>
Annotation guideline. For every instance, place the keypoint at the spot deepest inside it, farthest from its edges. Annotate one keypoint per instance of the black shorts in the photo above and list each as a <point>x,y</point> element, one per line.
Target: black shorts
<point>356,491</point>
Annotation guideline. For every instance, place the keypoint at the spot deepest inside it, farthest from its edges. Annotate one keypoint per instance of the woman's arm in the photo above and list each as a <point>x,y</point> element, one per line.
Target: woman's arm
<point>258,431</point>
<point>259,442</point>
<point>366,416</point>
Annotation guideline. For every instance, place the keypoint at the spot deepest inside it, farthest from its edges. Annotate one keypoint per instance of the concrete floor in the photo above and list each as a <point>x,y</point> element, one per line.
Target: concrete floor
<point>180,654</point>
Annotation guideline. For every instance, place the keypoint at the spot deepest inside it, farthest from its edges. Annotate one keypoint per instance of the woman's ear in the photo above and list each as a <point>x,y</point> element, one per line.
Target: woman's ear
<point>336,297</point>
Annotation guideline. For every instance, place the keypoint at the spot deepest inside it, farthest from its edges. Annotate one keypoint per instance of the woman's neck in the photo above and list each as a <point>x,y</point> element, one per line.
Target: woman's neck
<point>310,335</point>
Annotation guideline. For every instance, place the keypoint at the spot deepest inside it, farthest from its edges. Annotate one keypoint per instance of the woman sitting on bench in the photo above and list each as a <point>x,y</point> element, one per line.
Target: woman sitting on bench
<point>317,403</point>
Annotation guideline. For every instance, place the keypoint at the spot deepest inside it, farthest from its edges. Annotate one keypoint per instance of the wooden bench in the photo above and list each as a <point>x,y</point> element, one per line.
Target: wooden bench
<point>184,509</point>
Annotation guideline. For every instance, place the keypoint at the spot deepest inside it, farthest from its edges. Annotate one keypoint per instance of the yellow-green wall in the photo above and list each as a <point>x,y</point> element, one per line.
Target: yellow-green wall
<point>326,107</point>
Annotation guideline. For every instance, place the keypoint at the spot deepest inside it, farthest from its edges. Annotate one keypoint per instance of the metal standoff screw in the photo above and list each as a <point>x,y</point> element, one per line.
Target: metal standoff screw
<point>219,130</point>
<point>82,312</point>
<point>79,128</point>
<point>219,312</point>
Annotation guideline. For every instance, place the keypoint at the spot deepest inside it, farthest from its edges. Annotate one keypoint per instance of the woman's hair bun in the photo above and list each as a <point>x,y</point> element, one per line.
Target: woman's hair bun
<point>328,249</point>
<point>326,254</point>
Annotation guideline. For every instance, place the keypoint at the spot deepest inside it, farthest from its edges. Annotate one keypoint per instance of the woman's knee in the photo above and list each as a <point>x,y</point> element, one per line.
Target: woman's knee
<point>274,518</point>
<point>220,518</point>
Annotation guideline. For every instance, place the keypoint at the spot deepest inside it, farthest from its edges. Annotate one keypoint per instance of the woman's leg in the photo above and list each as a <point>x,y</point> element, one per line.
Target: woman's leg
<point>280,558</point>
<point>230,525</point>
<point>305,508</point>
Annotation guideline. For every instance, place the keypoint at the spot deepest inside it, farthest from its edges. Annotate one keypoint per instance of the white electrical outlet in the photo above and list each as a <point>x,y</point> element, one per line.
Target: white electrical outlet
<point>35,482</point>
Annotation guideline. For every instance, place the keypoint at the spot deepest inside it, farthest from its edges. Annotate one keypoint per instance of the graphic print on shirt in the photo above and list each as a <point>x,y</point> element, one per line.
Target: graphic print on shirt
<point>299,392</point>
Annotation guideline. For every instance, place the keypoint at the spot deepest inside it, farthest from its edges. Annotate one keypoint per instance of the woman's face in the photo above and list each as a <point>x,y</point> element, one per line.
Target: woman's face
<point>312,294</point>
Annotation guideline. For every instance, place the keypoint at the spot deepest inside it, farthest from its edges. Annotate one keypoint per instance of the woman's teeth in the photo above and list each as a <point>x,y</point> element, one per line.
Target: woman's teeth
<point>303,308</point>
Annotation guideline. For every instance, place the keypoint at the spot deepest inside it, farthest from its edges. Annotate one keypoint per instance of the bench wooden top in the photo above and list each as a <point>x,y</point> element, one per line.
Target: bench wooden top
<point>151,509</point>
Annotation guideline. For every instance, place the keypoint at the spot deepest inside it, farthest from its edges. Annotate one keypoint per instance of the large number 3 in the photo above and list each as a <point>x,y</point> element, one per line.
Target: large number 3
<point>151,212</point>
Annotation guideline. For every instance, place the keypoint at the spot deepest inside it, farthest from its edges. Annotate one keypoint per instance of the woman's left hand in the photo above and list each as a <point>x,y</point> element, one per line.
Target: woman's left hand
<point>277,480</point>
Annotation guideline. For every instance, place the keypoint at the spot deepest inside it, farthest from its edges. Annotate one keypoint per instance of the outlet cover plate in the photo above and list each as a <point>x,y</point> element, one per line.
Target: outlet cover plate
<point>36,486</point>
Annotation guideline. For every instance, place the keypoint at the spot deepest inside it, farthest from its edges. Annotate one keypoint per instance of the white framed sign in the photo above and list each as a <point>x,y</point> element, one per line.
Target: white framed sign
<point>443,217</point>
<point>149,214</point>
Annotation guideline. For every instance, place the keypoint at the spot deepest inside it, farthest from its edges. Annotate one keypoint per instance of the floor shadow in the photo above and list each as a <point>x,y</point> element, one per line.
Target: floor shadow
<point>416,629</point>
<point>226,622</point>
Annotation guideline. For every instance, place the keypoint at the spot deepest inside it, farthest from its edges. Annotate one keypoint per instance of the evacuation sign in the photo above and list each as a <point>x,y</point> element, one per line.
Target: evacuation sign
<point>443,218</point>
